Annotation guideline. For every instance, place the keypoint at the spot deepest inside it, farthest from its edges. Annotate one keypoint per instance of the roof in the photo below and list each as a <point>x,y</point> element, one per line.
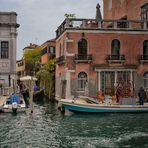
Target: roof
<point>48,41</point>
<point>7,13</point>
<point>31,46</point>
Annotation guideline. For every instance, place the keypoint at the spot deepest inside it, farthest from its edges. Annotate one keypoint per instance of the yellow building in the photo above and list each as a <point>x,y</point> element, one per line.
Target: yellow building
<point>20,67</point>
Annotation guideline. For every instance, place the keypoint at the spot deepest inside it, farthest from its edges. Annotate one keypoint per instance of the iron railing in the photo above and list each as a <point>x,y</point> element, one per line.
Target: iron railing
<point>143,58</point>
<point>116,58</point>
<point>60,60</point>
<point>77,23</point>
<point>83,58</point>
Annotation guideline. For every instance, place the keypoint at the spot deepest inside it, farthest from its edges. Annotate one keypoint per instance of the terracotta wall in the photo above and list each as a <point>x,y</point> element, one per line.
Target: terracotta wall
<point>44,58</point>
<point>99,45</point>
<point>121,8</point>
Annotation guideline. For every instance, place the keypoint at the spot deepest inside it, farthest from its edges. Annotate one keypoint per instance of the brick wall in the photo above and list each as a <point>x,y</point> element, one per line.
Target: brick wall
<point>116,9</point>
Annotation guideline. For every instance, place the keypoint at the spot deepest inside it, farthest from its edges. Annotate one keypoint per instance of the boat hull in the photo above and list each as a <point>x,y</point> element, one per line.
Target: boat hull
<point>97,108</point>
<point>19,110</point>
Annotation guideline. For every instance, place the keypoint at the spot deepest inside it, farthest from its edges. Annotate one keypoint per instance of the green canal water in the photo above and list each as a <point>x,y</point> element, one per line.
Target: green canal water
<point>48,128</point>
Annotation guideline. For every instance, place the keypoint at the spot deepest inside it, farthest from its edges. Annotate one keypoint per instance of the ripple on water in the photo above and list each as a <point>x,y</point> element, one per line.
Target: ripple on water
<point>47,128</point>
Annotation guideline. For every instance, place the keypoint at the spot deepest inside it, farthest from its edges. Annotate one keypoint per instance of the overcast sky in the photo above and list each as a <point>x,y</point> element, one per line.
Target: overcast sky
<point>39,19</point>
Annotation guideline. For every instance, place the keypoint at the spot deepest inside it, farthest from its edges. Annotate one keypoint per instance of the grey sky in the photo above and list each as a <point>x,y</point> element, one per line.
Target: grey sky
<point>39,19</point>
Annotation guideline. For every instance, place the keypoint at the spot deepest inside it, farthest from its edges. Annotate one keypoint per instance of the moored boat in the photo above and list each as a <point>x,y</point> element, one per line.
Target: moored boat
<point>13,104</point>
<point>83,105</point>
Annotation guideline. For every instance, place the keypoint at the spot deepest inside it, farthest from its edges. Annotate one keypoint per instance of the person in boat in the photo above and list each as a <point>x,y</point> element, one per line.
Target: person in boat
<point>114,99</point>
<point>25,94</point>
<point>141,95</point>
<point>100,97</point>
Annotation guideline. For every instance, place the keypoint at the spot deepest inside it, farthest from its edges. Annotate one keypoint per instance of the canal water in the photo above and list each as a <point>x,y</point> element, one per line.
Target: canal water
<point>48,128</point>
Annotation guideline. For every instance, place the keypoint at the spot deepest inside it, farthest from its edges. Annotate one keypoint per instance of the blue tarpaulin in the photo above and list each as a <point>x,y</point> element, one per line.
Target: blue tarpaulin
<point>35,88</point>
<point>15,98</point>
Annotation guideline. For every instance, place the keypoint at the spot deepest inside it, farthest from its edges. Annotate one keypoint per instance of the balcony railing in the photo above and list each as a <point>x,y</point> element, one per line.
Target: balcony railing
<point>116,58</point>
<point>143,58</point>
<point>82,58</point>
<point>77,23</point>
<point>60,60</point>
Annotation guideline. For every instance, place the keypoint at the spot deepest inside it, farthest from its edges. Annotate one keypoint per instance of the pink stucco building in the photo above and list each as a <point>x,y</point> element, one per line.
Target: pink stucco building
<point>93,54</point>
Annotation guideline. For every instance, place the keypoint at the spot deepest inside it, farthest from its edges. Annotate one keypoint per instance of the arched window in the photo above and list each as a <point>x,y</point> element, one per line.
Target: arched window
<point>82,47</point>
<point>82,79</point>
<point>115,47</point>
<point>145,47</point>
<point>145,76</point>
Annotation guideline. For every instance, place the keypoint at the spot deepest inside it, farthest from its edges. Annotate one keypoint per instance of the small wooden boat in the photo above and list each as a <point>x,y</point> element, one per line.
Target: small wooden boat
<point>85,105</point>
<point>15,106</point>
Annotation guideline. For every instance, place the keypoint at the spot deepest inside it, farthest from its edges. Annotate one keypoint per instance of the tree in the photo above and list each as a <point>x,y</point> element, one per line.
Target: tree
<point>47,77</point>
<point>43,77</point>
<point>50,67</point>
<point>32,60</point>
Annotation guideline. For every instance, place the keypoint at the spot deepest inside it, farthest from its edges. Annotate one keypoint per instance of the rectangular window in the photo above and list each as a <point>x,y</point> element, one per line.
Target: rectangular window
<point>51,49</point>
<point>144,12</point>
<point>4,49</point>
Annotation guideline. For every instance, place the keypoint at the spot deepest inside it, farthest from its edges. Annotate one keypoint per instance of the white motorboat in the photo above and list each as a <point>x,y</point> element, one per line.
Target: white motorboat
<point>14,103</point>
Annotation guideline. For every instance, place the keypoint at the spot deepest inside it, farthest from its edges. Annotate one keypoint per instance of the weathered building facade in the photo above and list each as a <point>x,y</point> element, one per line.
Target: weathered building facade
<point>20,67</point>
<point>122,9</point>
<point>47,51</point>
<point>8,36</point>
<point>95,55</point>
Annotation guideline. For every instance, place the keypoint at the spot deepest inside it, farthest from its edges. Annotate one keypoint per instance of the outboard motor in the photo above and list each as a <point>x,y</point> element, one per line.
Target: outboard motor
<point>14,107</point>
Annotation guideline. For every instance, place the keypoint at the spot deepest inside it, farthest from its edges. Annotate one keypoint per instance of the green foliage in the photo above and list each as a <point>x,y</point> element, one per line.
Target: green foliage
<point>69,15</point>
<point>50,66</point>
<point>46,77</point>
<point>32,59</point>
<point>32,56</point>
<point>43,75</point>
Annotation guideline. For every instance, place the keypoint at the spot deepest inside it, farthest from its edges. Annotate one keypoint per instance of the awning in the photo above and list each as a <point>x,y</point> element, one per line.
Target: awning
<point>27,78</point>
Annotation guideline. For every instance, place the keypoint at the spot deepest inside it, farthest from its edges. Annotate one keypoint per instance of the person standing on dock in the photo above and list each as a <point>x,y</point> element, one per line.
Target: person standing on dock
<point>141,95</point>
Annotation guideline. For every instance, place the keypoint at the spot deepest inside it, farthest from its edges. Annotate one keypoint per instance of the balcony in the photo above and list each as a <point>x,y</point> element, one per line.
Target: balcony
<point>143,58</point>
<point>82,58</point>
<point>116,59</point>
<point>92,24</point>
<point>60,60</point>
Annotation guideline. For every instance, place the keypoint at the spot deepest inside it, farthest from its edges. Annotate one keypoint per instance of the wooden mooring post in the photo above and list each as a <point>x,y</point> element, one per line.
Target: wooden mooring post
<point>31,94</point>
